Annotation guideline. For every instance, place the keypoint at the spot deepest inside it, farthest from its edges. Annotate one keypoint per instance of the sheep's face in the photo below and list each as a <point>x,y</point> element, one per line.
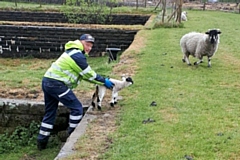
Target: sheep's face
<point>213,35</point>
<point>184,12</point>
<point>129,80</point>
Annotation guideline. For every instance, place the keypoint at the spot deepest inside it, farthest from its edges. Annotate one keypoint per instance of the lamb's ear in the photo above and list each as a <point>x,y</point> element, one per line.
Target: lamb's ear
<point>218,31</point>
<point>207,32</point>
<point>123,78</point>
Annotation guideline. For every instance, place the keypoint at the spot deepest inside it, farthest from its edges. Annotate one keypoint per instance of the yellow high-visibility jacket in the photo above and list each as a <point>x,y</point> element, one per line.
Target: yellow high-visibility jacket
<point>72,67</point>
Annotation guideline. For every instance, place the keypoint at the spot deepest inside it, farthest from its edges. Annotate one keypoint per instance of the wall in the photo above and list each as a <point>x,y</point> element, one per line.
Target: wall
<point>48,42</point>
<point>55,17</point>
<point>15,113</point>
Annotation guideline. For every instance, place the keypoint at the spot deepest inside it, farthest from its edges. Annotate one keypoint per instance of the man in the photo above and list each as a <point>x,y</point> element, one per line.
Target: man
<point>59,80</point>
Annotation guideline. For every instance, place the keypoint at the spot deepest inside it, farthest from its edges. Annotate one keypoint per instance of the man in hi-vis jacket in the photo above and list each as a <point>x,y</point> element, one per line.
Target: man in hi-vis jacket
<point>59,80</point>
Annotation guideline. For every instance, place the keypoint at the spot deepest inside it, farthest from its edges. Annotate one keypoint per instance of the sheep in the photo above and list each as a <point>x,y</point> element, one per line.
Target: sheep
<point>199,45</point>
<point>184,16</point>
<point>101,90</point>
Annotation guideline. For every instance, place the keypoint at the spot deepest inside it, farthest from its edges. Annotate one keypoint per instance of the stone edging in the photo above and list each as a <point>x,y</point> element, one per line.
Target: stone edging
<point>68,147</point>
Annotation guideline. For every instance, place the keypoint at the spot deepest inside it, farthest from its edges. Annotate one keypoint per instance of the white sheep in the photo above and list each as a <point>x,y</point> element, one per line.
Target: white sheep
<point>199,45</point>
<point>118,85</point>
<point>184,16</point>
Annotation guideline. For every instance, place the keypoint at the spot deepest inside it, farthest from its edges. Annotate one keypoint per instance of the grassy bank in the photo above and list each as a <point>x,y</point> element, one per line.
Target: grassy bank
<point>61,8</point>
<point>197,112</point>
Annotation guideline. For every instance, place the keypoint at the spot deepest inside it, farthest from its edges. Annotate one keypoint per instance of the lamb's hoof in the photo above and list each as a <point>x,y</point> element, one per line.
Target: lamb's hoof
<point>115,102</point>
<point>209,66</point>
<point>99,108</point>
<point>112,104</point>
<point>189,64</point>
<point>195,63</point>
<point>183,60</point>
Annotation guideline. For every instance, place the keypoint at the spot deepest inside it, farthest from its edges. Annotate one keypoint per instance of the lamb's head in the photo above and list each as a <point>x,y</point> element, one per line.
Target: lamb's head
<point>128,81</point>
<point>213,35</point>
<point>184,12</point>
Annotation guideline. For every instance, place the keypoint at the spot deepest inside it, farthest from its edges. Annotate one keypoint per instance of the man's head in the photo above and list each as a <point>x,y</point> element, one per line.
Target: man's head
<point>87,41</point>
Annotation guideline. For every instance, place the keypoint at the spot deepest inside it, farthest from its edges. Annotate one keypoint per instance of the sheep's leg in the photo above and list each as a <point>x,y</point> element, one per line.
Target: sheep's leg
<point>114,98</point>
<point>197,62</point>
<point>209,61</point>
<point>94,96</point>
<point>93,99</point>
<point>101,93</point>
<point>186,59</point>
<point>183,59</point>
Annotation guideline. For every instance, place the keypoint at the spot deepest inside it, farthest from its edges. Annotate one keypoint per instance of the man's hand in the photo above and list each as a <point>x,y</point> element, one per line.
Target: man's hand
<point>108,83</point>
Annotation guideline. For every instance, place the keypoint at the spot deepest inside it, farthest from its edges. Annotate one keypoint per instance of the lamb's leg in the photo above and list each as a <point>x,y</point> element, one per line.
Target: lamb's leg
<point>114,98</point>
<point>93,99</point>
<point>95,94</point>
<point>101,93</point>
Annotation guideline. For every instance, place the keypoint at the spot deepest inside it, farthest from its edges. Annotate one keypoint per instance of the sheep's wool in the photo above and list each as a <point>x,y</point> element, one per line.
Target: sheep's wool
<point>199,44</point>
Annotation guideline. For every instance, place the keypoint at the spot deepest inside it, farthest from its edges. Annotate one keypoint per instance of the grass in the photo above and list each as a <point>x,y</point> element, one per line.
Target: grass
<point>22,73</point>
<point>27,73</point>
<point>32,153</point>
<point>197,112</point>
<point>58,8</point>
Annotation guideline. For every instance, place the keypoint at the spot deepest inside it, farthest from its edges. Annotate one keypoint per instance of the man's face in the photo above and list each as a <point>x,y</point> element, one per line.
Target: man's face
<point>87,46</point>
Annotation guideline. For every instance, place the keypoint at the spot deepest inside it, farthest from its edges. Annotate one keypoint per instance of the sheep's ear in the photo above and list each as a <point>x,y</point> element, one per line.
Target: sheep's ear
<point>123,78</point>
<point>207,32</point>
<point>129,79</point>
<point>218,31</point>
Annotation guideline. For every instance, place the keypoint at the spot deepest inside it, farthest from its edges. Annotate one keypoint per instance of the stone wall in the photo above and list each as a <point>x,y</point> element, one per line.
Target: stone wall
<point>15,113</point>
<point>55,17</point>
<point>42,1</point>
<point>48,42</point>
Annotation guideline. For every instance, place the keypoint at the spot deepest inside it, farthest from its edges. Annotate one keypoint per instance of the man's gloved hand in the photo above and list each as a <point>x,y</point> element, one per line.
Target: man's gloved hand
<point>108,83</point>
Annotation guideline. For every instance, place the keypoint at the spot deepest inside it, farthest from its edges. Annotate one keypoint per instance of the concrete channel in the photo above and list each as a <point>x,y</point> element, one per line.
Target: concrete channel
<point>24,112</point>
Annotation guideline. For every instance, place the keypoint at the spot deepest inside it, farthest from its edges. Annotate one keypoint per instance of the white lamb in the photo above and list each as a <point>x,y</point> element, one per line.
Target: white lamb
<point>184,16</point>
<point>199,45</point>
<point>101,90</point>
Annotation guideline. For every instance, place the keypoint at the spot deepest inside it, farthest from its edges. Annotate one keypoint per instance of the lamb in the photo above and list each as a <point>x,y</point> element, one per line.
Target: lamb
<point>199,45</point>
<point>118,85</point>
<point>184,16</point>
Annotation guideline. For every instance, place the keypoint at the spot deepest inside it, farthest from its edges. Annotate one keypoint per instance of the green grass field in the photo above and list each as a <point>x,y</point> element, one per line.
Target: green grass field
<point>197,112</point>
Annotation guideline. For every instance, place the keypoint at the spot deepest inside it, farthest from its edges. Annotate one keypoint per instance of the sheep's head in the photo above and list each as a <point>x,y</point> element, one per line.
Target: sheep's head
<point>128,80</point>
<point>213,35</point>
<point>184,12</point>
